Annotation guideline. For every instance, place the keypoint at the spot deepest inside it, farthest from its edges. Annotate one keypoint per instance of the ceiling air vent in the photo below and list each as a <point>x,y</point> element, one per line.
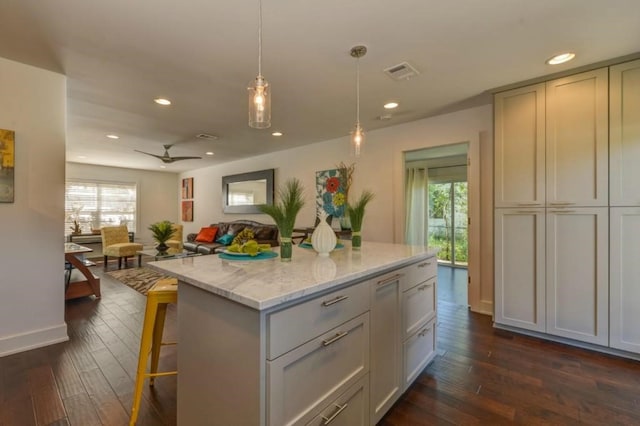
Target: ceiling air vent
<point>402,71</point>
<point>206,136</point>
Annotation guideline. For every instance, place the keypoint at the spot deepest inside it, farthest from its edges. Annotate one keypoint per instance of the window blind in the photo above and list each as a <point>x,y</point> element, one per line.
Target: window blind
<point>97,204</point>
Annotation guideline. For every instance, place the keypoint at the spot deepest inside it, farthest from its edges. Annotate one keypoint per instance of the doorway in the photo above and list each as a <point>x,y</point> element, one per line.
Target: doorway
<point>436,197</point>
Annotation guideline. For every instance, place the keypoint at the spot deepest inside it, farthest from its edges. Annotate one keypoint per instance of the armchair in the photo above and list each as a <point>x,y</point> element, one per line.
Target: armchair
<point>175,242</point>
<point>116,243</point>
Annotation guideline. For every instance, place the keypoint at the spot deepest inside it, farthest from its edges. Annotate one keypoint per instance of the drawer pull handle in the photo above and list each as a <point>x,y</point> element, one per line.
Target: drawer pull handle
<point>335,338</point>
<point>390,280</point>
<point>562,211</point>
<point>422,265</point>
<point>562,203</point>
<point>424,287</point>
<point>330,419</point>
<point>336,300</point>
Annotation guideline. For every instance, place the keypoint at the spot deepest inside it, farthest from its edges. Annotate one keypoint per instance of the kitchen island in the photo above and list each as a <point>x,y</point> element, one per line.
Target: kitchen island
<point>317,339</point>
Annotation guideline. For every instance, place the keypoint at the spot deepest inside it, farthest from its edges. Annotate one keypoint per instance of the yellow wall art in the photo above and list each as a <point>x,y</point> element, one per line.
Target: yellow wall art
<point>7,160</point>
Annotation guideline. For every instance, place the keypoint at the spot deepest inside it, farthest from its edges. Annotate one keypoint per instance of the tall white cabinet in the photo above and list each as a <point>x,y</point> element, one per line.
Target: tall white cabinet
<point>624,158</point>
<point>551,199</point>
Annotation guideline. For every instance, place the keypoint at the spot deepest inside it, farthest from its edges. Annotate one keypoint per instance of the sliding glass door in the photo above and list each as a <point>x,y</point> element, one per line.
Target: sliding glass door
<point>447,223</point>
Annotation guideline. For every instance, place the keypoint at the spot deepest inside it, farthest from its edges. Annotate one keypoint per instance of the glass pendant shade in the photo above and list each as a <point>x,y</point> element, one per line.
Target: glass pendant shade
<point>357,140</point>
<point>259,103</point>
<point>357,135</point>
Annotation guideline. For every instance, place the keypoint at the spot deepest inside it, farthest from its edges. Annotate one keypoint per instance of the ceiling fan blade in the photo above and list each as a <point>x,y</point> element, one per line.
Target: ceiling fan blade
<point>148,153</point>
<point>185,158</point>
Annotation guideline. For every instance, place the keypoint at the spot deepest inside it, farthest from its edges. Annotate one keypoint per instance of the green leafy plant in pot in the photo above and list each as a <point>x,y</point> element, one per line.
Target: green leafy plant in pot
<point>162,232</point>
<point>289,201</point>
<point>356,215</point>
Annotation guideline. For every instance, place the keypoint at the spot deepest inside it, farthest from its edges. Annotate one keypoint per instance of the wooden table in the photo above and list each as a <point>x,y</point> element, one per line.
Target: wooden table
<point>81,281</point>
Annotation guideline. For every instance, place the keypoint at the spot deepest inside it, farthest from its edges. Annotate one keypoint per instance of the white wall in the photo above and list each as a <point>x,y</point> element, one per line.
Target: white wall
<point>379,168</point>
<point>158,193</point>
<point>33,104</point>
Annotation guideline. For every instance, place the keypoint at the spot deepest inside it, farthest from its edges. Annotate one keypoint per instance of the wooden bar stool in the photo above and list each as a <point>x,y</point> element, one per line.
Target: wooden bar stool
<point>162,293</point>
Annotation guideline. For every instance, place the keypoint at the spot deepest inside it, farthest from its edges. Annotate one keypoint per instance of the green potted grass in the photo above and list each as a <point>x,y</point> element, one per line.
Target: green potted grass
<point>284,211</point>
<point>162,232</point>
<point>356,215</point>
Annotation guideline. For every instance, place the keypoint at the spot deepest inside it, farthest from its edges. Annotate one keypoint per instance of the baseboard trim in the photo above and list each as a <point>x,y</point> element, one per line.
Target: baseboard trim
<point>33,339</point>
<point>576,343</point>
<point>485,307</point>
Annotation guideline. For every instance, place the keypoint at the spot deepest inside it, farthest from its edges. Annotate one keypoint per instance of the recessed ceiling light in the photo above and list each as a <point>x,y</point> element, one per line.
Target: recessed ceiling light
<point>82,157</point>
<point>561,58</point>
<point>113,136</point>
<point>209,153</point>
<point>163,167</point>
<point>276,134</point>
<point>162,101</point>
<point>391,105</point>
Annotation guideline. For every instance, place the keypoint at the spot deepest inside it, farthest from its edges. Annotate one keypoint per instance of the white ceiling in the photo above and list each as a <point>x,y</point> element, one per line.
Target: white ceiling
<point>119,55</point>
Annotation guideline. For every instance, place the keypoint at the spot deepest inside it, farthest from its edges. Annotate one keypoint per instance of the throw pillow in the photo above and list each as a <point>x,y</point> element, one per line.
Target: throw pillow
<point>207,235</point>
<point>225,239</point>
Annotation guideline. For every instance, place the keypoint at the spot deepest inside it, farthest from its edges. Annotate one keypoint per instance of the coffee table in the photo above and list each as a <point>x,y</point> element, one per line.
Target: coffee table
<point>171,254</point>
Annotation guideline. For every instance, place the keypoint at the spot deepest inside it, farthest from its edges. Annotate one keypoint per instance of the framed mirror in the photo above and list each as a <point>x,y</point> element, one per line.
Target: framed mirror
<point>243,193</point>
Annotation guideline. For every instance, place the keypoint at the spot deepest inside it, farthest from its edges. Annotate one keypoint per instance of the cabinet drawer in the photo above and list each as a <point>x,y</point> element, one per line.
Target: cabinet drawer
<point>419,350</point>
<point>418,306</point>
<point>420,272</point>
<point>350,409</point>
<point>308,377</point>
<point>293,326</point>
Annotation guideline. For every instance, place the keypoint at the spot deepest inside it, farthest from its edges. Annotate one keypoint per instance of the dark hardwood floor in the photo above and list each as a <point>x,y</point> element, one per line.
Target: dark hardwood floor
<point>480,376</point>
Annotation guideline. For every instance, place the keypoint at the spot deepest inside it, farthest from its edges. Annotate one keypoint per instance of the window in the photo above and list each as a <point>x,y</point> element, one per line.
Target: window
<point>96,204</point>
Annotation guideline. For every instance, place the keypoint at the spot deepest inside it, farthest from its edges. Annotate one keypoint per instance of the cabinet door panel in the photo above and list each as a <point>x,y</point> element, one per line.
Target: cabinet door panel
<point>520,268</point>
<point>625,281</point>
<point>419,306</point>
<point>293,326</point>
<point>624,134</point>
<point>577,140</point>
<point>349,409</point>
<point>519,147</point>
<point>386,361</point>
<point>306,378</point>
<point>419,350</point>
<point>577,274</point>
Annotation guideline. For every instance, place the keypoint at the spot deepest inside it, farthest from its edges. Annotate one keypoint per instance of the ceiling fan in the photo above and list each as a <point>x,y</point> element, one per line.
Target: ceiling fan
<point>166,158</point>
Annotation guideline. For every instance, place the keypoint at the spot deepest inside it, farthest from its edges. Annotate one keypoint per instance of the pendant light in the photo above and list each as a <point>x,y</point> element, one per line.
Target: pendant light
<point>259,90</point>
<point>357,136</point>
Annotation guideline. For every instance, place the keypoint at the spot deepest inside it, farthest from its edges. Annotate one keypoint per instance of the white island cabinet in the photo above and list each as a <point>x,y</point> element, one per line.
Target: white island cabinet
<point>302,342</point>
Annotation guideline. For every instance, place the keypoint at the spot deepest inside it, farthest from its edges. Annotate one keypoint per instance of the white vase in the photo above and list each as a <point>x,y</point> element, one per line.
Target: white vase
<point>323,238</point>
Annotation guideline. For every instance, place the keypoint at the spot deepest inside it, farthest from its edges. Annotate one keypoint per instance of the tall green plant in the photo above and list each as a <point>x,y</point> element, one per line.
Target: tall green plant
<point>284,210</point>
<point>356,210</point>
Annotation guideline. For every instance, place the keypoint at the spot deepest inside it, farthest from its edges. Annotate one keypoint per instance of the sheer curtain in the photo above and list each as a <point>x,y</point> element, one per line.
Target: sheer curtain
<point>417,199</point>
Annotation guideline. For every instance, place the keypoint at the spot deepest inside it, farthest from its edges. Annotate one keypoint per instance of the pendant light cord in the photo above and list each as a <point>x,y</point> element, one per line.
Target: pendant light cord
<point>260,39</point>
<point>358,92</point>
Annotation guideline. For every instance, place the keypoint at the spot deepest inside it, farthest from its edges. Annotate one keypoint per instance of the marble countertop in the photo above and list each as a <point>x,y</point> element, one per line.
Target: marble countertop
<point>264,284</point>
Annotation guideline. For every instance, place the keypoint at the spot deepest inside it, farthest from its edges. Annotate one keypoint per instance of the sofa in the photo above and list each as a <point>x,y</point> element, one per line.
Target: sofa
<point>263,234</point>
